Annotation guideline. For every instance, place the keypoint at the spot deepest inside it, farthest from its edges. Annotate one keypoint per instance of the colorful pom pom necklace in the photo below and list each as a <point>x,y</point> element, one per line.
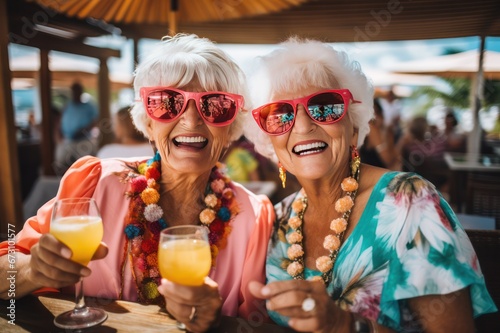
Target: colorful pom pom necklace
<point>332,242</point>
<point>145,221</point>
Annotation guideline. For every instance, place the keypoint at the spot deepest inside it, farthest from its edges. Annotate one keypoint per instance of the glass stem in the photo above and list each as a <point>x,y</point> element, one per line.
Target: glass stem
<point>79,298</point>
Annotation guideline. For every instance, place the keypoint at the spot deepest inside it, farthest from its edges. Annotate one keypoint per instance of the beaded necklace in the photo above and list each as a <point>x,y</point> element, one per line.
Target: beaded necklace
<point>145,220</point>
<point>332,242</point>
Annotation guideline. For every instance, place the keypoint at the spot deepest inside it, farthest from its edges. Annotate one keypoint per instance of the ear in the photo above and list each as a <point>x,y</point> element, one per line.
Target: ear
<point>149,129</point>
<point>354,139</point>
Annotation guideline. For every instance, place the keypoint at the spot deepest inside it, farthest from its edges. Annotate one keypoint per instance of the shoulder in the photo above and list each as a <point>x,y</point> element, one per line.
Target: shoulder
<point>410,185</point>
<point>257,202</point>
<point>255,212</point>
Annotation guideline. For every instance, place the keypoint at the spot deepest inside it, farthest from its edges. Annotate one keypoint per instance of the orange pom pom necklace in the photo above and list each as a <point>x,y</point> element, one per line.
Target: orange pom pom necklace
<point>332,242</point>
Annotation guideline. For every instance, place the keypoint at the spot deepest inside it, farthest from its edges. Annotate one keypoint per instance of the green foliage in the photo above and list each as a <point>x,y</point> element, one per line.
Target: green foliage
<point>459,93</point>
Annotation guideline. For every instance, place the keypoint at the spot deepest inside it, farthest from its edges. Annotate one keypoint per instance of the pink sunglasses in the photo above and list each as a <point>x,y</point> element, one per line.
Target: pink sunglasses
<point>323,107</point>
<point>166,104</point>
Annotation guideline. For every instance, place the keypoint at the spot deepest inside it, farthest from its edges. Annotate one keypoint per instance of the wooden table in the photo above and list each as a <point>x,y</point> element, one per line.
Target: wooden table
<point>36,314</point>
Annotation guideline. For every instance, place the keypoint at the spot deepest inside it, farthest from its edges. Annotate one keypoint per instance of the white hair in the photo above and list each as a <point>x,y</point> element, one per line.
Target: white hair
<point>300,64</point>
<point>176,62</point>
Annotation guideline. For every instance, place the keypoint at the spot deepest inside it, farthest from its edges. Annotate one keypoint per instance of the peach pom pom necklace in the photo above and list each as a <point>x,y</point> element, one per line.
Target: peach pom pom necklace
<point>332,242</point>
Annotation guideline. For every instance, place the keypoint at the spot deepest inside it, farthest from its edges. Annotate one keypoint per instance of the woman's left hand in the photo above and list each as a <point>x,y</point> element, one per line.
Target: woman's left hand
<point>306,303</point>
<point>198,307</point>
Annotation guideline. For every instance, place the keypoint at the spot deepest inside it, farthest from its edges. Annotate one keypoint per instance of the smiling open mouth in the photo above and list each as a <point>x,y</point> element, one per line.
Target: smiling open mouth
<point>310,148</point>
<point>198,142</point>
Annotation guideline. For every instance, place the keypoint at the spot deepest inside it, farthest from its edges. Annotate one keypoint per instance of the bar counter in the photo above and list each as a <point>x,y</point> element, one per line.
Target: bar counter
<point>36,314</point>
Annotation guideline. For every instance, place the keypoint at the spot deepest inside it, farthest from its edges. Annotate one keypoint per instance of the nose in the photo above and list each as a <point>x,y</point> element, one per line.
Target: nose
<point>303,123</point>
<point>190,116</point>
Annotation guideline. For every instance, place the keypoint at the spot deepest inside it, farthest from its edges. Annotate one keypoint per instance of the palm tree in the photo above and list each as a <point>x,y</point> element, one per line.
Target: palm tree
<point>458,95</point>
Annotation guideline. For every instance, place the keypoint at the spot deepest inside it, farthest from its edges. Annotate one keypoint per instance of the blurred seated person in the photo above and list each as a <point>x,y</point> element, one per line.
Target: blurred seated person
<point>241,162</point>
<point>129,142</point>
<point>456,140</point>
<point>378,148</point>
<point>391,107</point>
<point>423,154</point>
<point>494,133</point>
<point>77,120</point>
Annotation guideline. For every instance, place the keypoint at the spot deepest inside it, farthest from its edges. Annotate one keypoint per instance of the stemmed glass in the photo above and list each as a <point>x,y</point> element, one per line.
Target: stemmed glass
<point>184,256</point>
<point>77,223</point>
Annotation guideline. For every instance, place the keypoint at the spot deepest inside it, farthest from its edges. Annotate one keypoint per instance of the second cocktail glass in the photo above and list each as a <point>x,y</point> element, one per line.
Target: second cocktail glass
<point>184,255</point>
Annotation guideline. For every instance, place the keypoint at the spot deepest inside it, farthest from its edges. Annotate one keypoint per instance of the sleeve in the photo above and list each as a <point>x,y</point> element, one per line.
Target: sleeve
<point>255,260</point>
<point>79,181</point>
<point>431,253</point>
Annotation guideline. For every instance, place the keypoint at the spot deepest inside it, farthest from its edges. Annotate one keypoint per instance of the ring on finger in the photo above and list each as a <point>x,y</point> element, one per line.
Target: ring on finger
<point>192,316</point>
<point>308,304</point>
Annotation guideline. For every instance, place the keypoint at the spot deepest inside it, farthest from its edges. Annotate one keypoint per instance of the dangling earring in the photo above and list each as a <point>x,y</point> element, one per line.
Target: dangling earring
<point>282,171</point>
<point>355,161</point>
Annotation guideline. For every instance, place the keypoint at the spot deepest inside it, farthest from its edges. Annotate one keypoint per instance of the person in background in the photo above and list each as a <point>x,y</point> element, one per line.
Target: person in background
<point>242,164</point>
<point>129,142</point>
<point>494,133</point>
<point>456,140</point>
<point>391,106</point>
<point>423,153</point>
<point>378,148</point>
<point>183,184</point>
<point>77,120</point>
<point>358,248</point>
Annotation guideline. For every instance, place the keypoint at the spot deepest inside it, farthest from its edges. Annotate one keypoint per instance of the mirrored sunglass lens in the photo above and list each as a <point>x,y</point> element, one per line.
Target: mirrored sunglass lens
<point>165,104</point>
<point>277,117</point>
<point>218,108</point>
<point>326,107</point>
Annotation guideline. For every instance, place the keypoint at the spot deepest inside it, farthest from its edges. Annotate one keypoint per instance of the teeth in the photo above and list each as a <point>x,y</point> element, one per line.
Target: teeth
<point>300,149</point>
<point>190,139</point>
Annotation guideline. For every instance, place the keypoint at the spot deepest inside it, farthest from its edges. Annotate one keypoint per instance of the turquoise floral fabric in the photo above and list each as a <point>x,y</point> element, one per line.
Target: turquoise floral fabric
<point>407,243</point>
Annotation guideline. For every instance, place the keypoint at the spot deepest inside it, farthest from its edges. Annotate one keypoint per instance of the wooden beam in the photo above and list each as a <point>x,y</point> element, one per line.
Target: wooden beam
<point>11,219</point>
<point>104,103</point>
<point>69,46</point>
<point>45,85</point>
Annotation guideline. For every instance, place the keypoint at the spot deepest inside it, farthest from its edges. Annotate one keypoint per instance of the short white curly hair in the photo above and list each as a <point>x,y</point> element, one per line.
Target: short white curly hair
<point>177,61</point>
<point>302,63</point>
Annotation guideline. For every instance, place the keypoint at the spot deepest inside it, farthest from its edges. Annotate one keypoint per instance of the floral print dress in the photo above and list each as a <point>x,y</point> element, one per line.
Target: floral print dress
<point>407,243</point>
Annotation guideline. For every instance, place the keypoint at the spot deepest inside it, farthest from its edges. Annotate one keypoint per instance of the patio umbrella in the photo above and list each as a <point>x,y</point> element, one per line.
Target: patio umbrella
<point>464,64</point>
<point>167,11</point>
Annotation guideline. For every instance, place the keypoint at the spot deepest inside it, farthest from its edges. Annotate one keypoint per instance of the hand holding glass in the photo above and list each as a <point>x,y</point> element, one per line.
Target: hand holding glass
<point>77,223</point>
<point>184,256</point>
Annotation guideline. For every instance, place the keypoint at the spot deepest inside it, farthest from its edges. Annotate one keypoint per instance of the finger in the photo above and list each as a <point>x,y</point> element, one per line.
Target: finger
<point>295,312</point>
<point>190,295</point>
<point>43,274</point>
<point>285,300</point>
<point>255,289</point>
<point>202,318</point>
<point>181,312</point>
<point>58,272</point>
<point>305,325</point>
<point>49,243</point>
<point>278,287</point>
<point>49,261</point>
<point>101,252</point>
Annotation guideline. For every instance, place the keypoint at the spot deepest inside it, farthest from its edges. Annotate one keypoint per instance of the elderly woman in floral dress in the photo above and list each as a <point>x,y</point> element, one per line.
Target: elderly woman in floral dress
<point>358,248</point>
<point>183,184</point>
